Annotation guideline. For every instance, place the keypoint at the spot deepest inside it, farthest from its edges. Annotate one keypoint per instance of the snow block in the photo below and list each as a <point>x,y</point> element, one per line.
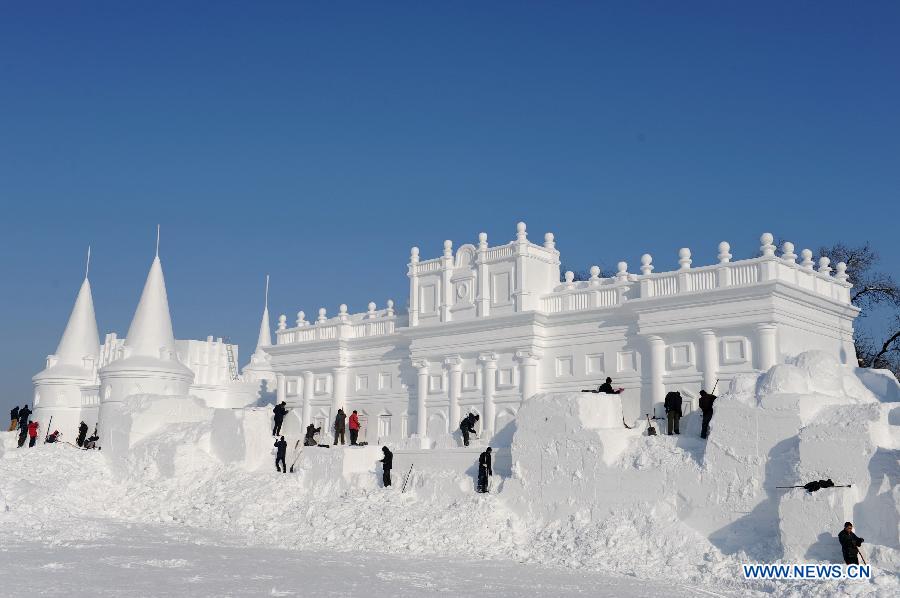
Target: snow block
<point>810,522</point>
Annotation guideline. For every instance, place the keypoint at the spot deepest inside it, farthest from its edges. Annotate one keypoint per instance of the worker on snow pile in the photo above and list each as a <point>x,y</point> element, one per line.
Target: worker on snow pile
<point>606,388</point>
<point>386,464</point>
<point>53,437</point>
<point>353,423</point>
<point>484,470</point>
<point>280,455</point>
<point>340,425</point>
<point>13,418</point>
<point>91,442</point>
<point>279,412</point>
<point>23,433</point>
<point>82,433</point>
<point>467,426</point>
<point>32,433</point>
<point>310,439</point>
<point>673,411</point>
<point>850,544</point>
<point>706,406</point>
<point>24,414</point>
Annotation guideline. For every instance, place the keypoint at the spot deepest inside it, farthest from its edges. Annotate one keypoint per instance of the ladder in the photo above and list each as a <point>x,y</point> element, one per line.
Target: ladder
<point>232,366</point>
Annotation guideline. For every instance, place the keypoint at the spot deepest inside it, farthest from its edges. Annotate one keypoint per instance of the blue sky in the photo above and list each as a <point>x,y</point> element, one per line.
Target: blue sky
<point>319,141</point>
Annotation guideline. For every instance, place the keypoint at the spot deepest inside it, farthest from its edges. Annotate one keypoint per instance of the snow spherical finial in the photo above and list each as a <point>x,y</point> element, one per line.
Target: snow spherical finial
<point>841,272</point>
<point>570,277</point>
<point>823,265</point>
<point>521,233</point>
<point>724,252</point>
<point>414,255</point>
<point>684,258</point>
<point>787,252</point>
<point>342,308</point>
<point>390,307</point>
<point>766,246</point>
<point>549,241</point>
<point>282,322</point>
<point>301,318</point>
<point>595,272</point>
<point>806,261</point>
<point>448,248</point>
<point>322,313</point>
<point>622,272</point>
<point>646,264</point>
<point>371,313</point>
<point>482,240</point>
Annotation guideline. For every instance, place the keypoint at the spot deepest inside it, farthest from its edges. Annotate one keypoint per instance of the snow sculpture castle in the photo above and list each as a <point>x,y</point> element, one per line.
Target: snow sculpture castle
<point>486,329</point>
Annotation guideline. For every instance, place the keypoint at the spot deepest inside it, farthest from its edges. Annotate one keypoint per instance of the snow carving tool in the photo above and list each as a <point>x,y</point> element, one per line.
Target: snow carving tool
<point>47,431</point>
<point>859,552</point>
<point>297,451</point>
<point>406,479</point>
<point>651,431</point>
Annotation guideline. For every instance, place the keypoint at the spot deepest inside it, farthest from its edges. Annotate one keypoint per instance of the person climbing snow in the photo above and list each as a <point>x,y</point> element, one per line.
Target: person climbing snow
<point>13,418</point>
<point>53,437</point>
<point>32,433</point>
<point>310,439</point>
<point>484,470</point>
<point>673,411</point>
<point>280,455</point>
<point>91,441</point>
<point>606,388</point>
<point>386,464</point>
<point>82,433</point>
<point>706,406</point>
<point>24,414</point>
<point>467,426</point>
<point>850,544</point>
<point>339,426</point>
<point>353,423</point>
<point>279,412</point>
<point>23,434</point>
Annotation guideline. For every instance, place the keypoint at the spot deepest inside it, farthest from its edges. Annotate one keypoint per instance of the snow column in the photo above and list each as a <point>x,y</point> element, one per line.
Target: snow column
<point>413,287</point>
<point>446,285</point>
<point>767,349</point>
<point>710,359</point>
<point>484,298</point>
<point>529,372</point>
<point>281,389</point>
<point>421,394</point>
<point>657,368</point>
<point>307,398</point>
<point>489,379</point>
<point>339,397</point>
<point>454,363</point>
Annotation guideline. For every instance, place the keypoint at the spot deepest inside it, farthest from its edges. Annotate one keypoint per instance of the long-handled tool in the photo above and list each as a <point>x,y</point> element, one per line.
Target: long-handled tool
<point>406,479</point>
<point>859,552</point>
<point>651,431</point>
<point>47,431</point>
<point>297,456</point>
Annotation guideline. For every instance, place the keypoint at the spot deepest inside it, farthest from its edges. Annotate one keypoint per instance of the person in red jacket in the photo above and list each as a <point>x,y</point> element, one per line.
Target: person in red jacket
<point>354,427</point>
<point>32,433</point>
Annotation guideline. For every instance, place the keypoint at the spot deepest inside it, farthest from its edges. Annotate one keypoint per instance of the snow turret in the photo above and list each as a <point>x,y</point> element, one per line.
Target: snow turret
<point>58,388</point>
<point>260,367</point>
<point>151,364</point>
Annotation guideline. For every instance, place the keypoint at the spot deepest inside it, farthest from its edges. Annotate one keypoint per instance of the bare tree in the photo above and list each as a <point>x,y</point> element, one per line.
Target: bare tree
<point>871,289</point>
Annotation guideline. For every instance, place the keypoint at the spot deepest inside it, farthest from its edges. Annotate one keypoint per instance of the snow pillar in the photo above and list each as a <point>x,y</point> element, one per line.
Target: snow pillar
<point>339,396</point>
<point>454,364</point>
<point>529,372</point>
<point>413,287</point>
<point>307,398</point>
<point>657,368</point>
<point>446,285</point>
<point>490,383</point>
<point>484,298</point>
<point>281,388</point>
<point>522,296</point>
<point>710,359</point>
<point>421,366</point>
<point>767,349</point>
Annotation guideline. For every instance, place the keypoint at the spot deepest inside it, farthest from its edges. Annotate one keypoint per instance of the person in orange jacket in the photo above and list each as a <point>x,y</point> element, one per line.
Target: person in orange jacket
<point>32,433</point>
<point>354,427</point>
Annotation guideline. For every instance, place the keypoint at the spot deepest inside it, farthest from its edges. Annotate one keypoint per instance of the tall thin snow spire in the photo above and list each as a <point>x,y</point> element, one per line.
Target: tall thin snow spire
<point>81,338</point>
<point>151,327</point>
<point>87,265</point>
<point>265,331</point>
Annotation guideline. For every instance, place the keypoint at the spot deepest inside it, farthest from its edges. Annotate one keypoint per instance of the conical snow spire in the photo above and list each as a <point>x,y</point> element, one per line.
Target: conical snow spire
<point>265,331</point>
<point>151,328</point>
<point>81,338</point>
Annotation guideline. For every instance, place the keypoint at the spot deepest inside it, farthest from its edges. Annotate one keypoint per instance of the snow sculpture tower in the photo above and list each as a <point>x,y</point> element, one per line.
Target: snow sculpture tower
<point>150,364</point>
<point>260,367</point>
<point>58,388</point>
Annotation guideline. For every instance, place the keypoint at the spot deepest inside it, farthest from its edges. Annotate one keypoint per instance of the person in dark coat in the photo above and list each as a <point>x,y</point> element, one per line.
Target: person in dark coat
<point>32,433</point>
<point>484,470</point>
<point>91,441</point>
<point>706,406</point>
<point>606,388</point>
<point>82,434</point>
<point>24,414</point>
<point>467,426</point>
<point>673,411</point>
<point>310,439</point>
<point>13,418</point>
<point>53,437</point>
<point>340,426</point>
<point>279,412</point>
<point>280,455</point>
<point>850,544</point>
<point>23,434</point>
<point>386,464</point>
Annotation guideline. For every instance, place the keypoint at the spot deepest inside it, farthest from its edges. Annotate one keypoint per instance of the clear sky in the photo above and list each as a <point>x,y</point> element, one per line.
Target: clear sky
<point>319,141</point>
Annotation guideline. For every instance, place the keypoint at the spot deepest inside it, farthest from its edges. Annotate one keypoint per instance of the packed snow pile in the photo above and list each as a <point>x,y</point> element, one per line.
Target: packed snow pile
<point>585,491</point>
